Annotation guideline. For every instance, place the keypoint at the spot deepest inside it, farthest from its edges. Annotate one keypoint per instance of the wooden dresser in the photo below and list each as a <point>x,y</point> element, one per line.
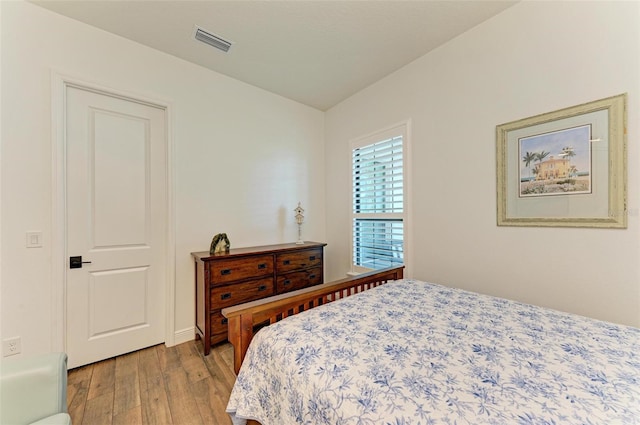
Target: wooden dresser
<point>247,274</point>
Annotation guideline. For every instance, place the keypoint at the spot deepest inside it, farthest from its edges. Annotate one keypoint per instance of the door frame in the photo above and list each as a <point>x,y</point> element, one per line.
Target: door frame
<point>59,254</point>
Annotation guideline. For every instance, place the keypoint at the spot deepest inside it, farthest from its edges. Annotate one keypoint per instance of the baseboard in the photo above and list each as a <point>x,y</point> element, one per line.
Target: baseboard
<point>184,335</point>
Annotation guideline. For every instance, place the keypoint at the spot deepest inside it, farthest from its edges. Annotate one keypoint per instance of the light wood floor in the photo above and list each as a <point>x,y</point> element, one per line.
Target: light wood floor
<point>157,385</point>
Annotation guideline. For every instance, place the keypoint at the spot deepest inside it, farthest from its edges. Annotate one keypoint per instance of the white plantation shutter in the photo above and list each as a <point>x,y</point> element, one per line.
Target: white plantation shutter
<point>378,200</point>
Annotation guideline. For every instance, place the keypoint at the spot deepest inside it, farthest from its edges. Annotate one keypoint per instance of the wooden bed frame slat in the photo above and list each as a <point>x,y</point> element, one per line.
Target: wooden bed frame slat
<point>243,318</point>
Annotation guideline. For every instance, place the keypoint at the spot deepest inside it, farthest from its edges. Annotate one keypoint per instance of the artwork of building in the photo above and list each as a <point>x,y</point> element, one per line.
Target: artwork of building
<point>553,169</point>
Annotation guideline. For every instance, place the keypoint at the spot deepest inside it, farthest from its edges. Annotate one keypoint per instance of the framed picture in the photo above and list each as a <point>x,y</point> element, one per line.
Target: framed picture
<point>565,168</point>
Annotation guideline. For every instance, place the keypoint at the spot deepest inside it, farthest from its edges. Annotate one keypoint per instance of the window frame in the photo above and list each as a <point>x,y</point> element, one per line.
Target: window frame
<point>401,129</point>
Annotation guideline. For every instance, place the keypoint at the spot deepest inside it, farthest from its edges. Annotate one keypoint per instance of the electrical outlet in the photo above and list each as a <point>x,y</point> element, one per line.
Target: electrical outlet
<point>11,346</point>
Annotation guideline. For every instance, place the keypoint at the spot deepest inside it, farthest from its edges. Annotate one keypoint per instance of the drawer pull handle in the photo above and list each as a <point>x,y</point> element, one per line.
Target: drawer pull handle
<point>312,276</point>
<point>262,287</point>
<point>286,262</point>
<point>224,321</point>
<point>225,296</point>
<point>286,282</point>
<point>225,272</point>
<point>313,257</point>
<point>262,266</point>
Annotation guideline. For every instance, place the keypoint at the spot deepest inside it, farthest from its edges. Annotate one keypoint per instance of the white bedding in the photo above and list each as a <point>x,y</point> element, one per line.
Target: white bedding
<point>411,352</point>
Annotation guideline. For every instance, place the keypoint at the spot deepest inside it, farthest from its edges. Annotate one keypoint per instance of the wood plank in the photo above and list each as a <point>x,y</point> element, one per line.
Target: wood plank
<point>76,379</point>
<point>212,399</point>
<point>168,357</point>
<point>79,374</point>
<point>127,393</point>
<point>222,372</point>
<point>127,384</point>
<point>99,410</point>
<point>77,393</point>
<point>148,368</point>
<point>226,354</point>
<point>127,364</point>
<point>195,369</point>
<point>153,397</point>
<point>132,416</point>
<point>187,351</point>
<point>102,379</point>
<point>192,361</point>
<point>155,404</point>
<point>184,409</point>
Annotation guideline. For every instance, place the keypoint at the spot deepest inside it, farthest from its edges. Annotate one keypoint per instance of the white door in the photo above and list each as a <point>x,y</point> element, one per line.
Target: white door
<point>116,203</point>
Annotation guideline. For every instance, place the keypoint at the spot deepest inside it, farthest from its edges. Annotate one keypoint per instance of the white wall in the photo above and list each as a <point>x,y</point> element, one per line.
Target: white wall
<point>243,157</point>
<point>533,58</point>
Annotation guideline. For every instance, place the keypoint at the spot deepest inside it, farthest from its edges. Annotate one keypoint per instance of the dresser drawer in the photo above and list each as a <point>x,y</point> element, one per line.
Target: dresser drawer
<point>298,280</point>
<point>223,271</point>
<point>299,259</point>
<point>218,328</point>
<point>238,293</point>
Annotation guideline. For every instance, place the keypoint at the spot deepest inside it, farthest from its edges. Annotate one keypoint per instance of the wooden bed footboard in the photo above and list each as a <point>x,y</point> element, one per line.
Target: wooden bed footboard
<point>243,318</point>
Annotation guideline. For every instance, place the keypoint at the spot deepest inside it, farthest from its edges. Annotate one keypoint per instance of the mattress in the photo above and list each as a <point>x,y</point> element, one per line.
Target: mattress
<point>412,352</point>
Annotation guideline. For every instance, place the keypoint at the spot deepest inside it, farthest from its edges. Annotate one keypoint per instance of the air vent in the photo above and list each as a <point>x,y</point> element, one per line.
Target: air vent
<point>212,39</point>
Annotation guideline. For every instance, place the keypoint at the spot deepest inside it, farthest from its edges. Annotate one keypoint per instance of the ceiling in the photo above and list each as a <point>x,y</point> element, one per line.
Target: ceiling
<point>315,52</point>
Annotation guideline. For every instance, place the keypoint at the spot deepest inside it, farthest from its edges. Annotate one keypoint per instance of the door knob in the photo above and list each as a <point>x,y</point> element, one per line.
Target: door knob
<point>76,262</point>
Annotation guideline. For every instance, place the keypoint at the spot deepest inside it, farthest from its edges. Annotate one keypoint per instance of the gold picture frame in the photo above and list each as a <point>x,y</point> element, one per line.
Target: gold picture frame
<point>566,168</point>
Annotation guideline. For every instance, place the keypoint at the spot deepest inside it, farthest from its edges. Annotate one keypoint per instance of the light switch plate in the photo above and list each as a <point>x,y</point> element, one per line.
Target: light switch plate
<point>34,239</point>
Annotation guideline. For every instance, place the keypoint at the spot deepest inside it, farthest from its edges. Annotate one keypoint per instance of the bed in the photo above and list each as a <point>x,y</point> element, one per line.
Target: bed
<point>412,352</point>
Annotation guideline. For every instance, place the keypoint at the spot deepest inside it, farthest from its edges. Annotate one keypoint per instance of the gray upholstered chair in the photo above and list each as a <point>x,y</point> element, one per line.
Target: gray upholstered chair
<point>33,390</point>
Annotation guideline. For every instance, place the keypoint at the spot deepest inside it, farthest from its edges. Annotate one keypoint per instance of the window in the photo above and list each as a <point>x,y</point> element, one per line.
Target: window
<point>379,199</point>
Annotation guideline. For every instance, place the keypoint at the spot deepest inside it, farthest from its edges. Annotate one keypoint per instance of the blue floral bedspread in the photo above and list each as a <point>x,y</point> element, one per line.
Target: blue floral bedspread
<point>411,352</point>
